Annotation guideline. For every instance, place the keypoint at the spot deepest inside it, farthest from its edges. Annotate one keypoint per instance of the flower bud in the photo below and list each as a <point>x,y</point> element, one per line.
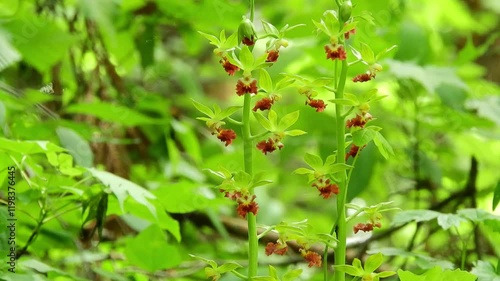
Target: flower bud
<point>364,108</point>
<point>282,43</point>
<point>246,32</point>
<point>376,67</point>
<point>345,10</point>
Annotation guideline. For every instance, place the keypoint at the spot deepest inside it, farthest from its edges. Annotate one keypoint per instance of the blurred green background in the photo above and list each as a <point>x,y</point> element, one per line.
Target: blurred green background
<point>112,82</point>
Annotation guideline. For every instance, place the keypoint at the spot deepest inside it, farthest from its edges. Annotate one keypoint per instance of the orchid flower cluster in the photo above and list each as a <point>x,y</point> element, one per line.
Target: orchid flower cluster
<point>330,177</point>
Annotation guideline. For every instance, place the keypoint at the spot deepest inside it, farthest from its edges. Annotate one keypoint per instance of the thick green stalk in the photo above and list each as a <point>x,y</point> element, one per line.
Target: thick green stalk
<point>253,246</point>
<point>253,254</point>
<point>340,251</point>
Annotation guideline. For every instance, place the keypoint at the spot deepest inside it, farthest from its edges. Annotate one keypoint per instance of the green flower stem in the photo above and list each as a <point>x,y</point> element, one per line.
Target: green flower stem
<point>265,232</point>
<point>253,254</point>
<point>247,137</point>
<point>354,62</point>
<point>325,252</point>
<point>259,135</point>
<point>252,9</point>
<point>235,122</point>
<point>348,111</point>
<point>340,251</point>
<point>239,275</point>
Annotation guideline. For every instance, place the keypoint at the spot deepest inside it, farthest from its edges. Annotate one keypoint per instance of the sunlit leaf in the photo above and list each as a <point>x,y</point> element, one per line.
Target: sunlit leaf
<point>404,217</point>
<point>313,160</point>
<point>288,120</point>
<point>263,121</point>
<point>265,81</point>
<point>112,113</point>
<point>203,108</point>
<point>123,188</point>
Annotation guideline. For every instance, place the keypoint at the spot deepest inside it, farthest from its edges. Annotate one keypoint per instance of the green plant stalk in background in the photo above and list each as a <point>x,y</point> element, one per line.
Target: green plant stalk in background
<point>253,255</point>
<point>340,250</point>
<point>253,243</point>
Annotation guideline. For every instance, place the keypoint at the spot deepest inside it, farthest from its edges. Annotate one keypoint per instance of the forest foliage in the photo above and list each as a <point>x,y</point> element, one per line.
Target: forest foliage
<point>111,174</point>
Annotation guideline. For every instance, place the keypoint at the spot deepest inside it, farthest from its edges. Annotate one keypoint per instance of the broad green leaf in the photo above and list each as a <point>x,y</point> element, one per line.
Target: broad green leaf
<point>487,107</point>
<point>77,146</point>
<point>272,271</point>
<point>421,260</point>
<point>66,165</point>
<point>349,269</point>
<point>470,52</point>
<point>383,145</point>
<point>123,188</point>
<point>231,41</point>
<point>259,179</point>
<point>28,147</point>
<point>260,63</point>
<point>448,220</point>
<point>265,81</point>
<point>234,60</point>
<point>181,197</point>
<point>367,54</point>
<point>222,35</point>
<point>217,109</point>
<point>288,120</point>
<point>437,274</point>
<point>9,8</point>
<point>404,217</point>
<point>321,26</point>
<point>203,108</point>
<point>313,160</point>
<point>368,95</point>
<point>263,121</point>
<point>348,27</point>
<point>477,215</point>
<point>140,217</point>
<point>357,263</point>
<point>373,262</point>
<point>188,138</point>
<point>363,136</point>
<point>321,82</point>
<point>292,275</point>
<point>52,158</point>
<point>242,178</point>
<point>229,266</point>
<point>430,77</point>
<point>269,28</point>
<point>485,271</point>
<point>113,113</point>
<point>38,266</point>
<point>284,83</point>
<point>49,49</point>
<point>330,159</point>
<point>246,58</point>
<point>149,250</point>
<point>385,51</point>
<point>331,21</point>
<point>294,133</point>
<point>273,118</point>
<point>496,196</point>
<point>303,171</point>
<point>335,168</point>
